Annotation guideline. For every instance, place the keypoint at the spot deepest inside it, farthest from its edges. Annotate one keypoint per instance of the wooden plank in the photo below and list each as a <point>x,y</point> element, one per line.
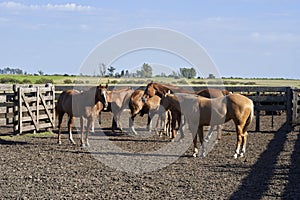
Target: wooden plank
<point>30,112</point>
<point>270,107</point>
<point>42,117</point>
<point>269,99</point>
<point>47,111</point>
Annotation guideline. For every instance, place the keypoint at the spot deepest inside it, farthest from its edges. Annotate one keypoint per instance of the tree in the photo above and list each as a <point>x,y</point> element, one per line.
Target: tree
<point>188,72</point>
<point>211,76</point>
<point>41,73</point>
<point>102,69</point>
<point>146,71</point>
<point>111,70</point>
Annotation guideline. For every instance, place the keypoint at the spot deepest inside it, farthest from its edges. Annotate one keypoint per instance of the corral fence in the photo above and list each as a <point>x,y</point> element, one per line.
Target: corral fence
<point>27,108</point>
<point>267,100</point>
<point>33,108</point>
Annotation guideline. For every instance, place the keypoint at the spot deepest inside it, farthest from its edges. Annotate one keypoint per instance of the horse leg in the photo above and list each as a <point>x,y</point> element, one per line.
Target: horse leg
<point>150,115</point>
<point>60,118</point>
<point>209,134</point>
<point>89,123</point>
<point>239,134</point>
<point>82,122</point>
<point>70,125</point>
<point>131,122</point>
<point>219,128</point>
<point>196,151</point>
<point>244,142</point>
<point>173,126</point>
<point>114,125</point>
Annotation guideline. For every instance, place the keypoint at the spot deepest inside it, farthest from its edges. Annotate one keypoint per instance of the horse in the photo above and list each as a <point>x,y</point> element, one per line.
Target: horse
<point>117,103</point>
<point>82,105</point>
<point>138,106</point>
<point>201,111</point>
<point>213,93</point>
<point>161,89</point>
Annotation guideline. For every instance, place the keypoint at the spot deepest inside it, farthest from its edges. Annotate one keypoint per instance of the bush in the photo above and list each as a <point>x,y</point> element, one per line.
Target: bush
<point>9,80</point>
<point>78,82</point>
<point>43,81</point>
<point>67,81</point>
<point>26,81</point>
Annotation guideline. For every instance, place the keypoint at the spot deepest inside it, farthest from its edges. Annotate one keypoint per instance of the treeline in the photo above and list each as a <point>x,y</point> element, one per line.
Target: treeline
<point>8,80</point>
<point>8,70</point>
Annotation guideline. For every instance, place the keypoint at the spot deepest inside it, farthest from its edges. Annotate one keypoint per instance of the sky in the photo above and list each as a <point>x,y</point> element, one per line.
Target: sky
<point>244,38</point>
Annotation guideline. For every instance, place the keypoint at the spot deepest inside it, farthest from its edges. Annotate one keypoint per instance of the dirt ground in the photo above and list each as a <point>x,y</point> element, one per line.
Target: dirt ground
<point>37,167</point>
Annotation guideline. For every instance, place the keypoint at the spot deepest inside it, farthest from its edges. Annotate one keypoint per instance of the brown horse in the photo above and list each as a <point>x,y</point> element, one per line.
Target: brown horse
<point>200,111</point>
<point>82,105</point>
<point>117,100</point>
<point>162,89</point>
<point>212,93</point>
<point>138,106</point>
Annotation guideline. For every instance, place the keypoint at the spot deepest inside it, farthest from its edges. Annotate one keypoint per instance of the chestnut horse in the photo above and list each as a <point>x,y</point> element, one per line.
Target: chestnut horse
<point>138,106</point>
<point>200,111</point>
<point>162,89</point>
<point>82,105</point>
<point>117,100</point>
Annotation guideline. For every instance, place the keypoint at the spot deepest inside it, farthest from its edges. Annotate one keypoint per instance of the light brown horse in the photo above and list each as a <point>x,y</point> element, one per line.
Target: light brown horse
<point>82,105</point>
<point>138,106</point>
<point>200,111</point>
<point>117,100</point>
<point>162,89</point>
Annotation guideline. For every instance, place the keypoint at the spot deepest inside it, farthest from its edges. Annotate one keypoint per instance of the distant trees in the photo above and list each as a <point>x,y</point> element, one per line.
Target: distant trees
<point>188,72</point>
<point>8,70</point>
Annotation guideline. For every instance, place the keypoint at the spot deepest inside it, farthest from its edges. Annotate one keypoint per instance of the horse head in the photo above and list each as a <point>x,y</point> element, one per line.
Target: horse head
<point>101,95</point>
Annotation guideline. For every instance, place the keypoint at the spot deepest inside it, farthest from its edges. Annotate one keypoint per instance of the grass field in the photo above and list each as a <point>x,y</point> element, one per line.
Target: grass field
<point>61,79</point>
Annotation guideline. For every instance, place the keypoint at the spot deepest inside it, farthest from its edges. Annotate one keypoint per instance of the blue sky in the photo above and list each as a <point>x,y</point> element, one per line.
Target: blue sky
<point>245,38</point>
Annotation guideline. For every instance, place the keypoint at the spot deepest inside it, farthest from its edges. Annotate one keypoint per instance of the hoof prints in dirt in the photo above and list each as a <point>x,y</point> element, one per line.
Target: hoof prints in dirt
<point>39,168</point>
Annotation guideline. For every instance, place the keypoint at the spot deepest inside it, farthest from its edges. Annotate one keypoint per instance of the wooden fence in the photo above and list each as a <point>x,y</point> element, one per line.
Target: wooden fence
<point>266,99</point>
<point>27,108</point>
<point>32,108</point>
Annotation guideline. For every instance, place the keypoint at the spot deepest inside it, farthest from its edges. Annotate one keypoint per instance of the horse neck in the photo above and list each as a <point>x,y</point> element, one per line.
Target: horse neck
<point>87,98</point>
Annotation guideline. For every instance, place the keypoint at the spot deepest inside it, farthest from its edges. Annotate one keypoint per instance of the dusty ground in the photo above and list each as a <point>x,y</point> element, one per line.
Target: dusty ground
<point>36,167</point>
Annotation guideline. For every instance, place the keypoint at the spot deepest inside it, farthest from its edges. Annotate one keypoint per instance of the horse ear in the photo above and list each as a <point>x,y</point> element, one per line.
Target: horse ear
<point>106,86</point>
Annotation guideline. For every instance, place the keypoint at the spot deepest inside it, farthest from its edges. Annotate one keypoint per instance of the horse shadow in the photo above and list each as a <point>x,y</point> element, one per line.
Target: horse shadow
<point>11,142</point>
<point>256,183</point>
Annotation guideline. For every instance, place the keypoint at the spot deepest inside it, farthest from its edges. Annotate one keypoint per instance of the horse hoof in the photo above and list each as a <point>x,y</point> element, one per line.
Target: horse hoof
<point>194,155</point>
<point>235,156</point>
<point>72,142</point>
<point>59,142</point>
<point>242,155</point>
<point>83,145</point>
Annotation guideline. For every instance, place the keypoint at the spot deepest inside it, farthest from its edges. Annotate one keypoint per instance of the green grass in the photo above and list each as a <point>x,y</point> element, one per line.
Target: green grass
<point>27,135</point>
<point>87,80</point>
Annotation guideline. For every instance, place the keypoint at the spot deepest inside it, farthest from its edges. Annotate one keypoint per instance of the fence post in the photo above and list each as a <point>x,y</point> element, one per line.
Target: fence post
<point>20,110</point>
<point>15,109</point>
<point>257,114</point>
<point>295,106</point>
<point>289,106</point>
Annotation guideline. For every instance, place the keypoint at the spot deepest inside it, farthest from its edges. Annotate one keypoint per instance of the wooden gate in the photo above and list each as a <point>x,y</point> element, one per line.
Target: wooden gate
<point>34,108</point>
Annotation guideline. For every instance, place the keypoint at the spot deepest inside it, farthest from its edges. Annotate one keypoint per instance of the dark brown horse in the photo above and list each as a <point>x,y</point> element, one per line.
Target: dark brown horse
<point>200,111</point>
<point>82,105</point>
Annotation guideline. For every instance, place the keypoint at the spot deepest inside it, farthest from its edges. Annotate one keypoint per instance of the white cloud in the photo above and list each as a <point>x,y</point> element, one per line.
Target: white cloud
<point>55,7</point>
<point>275,37</point>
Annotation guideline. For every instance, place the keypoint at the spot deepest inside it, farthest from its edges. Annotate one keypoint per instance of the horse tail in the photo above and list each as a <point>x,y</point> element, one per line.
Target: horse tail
<point>250,117</point>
